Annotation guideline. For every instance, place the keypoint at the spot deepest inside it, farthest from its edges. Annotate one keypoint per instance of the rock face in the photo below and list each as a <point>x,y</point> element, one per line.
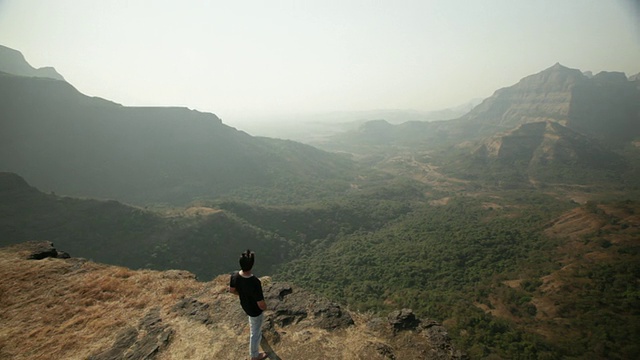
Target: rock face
<point>289,307</point>
<point>38,250</point>
<point>143,343</point>
<point>194,309</point>
<point>538,97</point>
<point>547,142</point>
<point>434,332</point>
<point>292,309</point>
<point>403,319</point>
<point>546,152</point>
<point>605,106</point>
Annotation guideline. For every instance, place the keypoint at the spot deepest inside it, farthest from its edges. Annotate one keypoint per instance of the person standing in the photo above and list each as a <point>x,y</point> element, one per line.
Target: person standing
<point>249,288</point>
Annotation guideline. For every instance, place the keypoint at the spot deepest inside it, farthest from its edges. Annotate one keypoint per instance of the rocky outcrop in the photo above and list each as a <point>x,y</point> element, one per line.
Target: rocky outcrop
<point>436,334</point>
<point>292,307</point>
<point>194,309</point>
<point>141,343</point>
<point>403,319</point>
<point>38,250</point>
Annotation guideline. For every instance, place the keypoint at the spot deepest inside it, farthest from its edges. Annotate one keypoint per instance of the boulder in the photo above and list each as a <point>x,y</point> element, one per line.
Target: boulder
<point>38,250</point>
<point>403,319</point>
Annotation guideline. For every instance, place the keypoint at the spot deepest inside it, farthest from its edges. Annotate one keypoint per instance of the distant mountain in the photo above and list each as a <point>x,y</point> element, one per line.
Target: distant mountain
<point>605,106</point>
<point>316,129</point>
<point>61,140</point>
<point>13,62</point>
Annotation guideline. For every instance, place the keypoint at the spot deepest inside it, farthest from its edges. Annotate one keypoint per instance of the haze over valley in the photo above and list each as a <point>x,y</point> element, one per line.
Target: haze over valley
<point>394,216</point>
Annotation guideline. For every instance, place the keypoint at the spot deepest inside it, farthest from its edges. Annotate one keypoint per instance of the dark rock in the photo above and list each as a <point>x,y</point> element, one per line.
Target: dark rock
<point>278,291</point>
<point>440,341</point>
<point>289,307</point>
<point>287,311</point>
<point>269,331</point>
<point>125,339</point>
<point>143,343</point>
<point>331,316</point>
<point>403,319</point>
<point>194,309</point>
<point>40,250</point>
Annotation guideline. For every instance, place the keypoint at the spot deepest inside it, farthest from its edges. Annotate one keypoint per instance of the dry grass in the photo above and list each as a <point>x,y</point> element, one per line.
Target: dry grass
<point>67,309</point>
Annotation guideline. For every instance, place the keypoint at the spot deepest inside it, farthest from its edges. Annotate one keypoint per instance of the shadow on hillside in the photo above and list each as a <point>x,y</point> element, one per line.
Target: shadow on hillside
<point>267,348</point>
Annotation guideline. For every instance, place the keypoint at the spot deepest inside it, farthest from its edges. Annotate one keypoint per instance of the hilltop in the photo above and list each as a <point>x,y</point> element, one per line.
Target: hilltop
<point>59,307</point>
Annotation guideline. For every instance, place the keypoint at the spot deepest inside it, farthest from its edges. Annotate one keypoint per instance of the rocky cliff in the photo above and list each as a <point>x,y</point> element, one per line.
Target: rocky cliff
<point>57,307</point>
<point>605,106</point>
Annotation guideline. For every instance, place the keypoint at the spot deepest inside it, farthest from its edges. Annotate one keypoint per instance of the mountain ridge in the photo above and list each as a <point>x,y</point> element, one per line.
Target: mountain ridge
<point>64,141</point>
<point>13,62</point>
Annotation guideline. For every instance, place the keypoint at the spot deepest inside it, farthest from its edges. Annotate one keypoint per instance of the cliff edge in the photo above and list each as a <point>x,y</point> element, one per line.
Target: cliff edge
<point>54,306</point>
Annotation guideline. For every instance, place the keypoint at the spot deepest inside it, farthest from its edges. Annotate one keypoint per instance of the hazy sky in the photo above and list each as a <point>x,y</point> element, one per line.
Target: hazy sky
<point>242,59</point>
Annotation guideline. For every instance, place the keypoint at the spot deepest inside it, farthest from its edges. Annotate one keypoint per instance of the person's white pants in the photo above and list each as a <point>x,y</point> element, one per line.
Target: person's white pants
<point>255,324</point>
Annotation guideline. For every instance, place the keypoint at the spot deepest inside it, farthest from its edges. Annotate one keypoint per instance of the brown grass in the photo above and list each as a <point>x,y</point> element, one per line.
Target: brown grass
<point>67,309</point>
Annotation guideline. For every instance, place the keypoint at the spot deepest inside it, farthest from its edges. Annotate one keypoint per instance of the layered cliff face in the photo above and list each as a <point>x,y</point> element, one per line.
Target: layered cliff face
<point>544,142</point>
<point>605,106</point>
<point>547,150</point>
<point>539,97</point>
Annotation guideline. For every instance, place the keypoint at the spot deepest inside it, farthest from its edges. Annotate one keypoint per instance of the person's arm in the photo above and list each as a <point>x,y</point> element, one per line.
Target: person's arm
<point>232,284</point>
<point>262,305</point>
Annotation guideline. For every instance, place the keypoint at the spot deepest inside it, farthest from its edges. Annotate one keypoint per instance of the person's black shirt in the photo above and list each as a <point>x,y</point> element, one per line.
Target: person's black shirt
<point>250,291</point>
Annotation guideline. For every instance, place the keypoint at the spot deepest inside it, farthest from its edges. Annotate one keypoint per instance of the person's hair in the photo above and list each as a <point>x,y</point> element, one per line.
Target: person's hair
<point>246,260</point>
